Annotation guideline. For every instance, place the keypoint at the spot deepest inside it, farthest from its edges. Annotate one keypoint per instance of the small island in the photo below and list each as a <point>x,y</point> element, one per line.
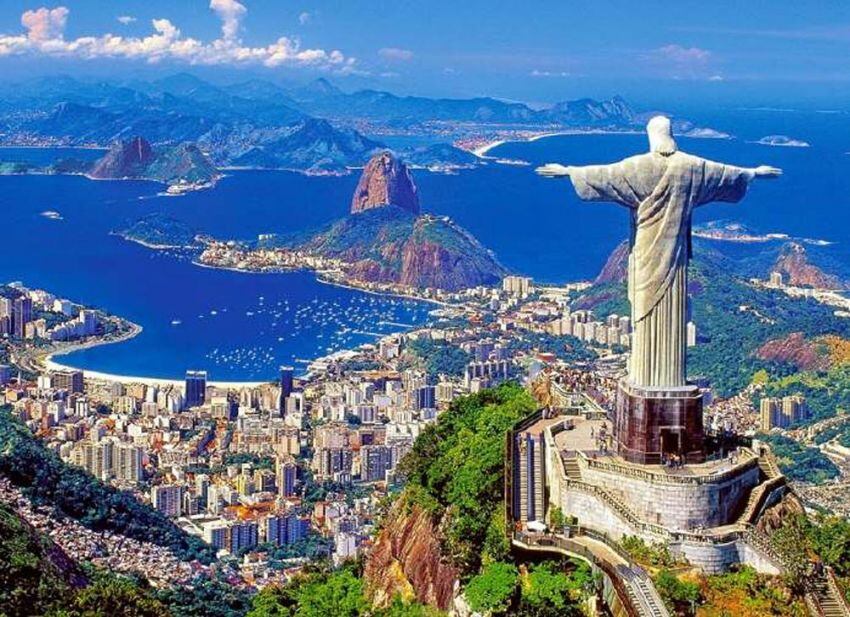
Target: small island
<point>783,141</point>
<point>159,231</point>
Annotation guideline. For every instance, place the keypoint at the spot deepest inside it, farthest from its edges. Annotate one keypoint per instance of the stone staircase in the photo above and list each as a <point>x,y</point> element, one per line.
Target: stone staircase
<point>824,598</point>
<point>643,594</point>
<point>768,467</point>
<point>572,468</point>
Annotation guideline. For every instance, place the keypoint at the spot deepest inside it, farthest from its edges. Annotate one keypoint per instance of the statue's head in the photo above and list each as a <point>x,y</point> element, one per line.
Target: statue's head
<point>660,133</point>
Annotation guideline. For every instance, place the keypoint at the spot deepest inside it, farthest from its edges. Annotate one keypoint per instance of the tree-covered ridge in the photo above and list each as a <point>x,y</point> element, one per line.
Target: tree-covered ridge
<point>439,357</point>
<point>31,575</point>
<point>734,319</point>
<point>158,230</point>
<point>456,470</point>
<point>72,492</point>
<point>37,578</point>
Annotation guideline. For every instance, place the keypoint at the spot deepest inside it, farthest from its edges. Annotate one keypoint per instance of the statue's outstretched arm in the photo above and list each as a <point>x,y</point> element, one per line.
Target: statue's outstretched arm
<point>553,170</point>
<point>766,171</point>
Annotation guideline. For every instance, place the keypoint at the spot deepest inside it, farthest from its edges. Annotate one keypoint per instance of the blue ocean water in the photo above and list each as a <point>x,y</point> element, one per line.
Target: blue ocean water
<point>236,325</point>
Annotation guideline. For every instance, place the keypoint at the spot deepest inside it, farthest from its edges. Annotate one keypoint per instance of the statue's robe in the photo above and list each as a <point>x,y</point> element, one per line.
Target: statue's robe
<point>661,192</point>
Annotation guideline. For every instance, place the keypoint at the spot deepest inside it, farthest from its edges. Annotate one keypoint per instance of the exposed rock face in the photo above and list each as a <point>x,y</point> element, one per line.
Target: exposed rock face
<point>616,267</point>
<point>795,349</point>
<point>776,516</point>
<point>793,263</point>
<point>406,560</point>
<point>385,181</point>
<point>125,159</point>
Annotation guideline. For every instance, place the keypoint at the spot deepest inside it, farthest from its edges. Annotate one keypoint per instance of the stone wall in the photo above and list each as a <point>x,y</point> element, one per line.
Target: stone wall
<point>679,506</point>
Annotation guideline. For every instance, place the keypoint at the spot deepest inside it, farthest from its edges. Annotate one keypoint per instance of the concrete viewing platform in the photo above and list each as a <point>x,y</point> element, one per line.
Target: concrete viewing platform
<point>592,439</point>
<point>705,511</point>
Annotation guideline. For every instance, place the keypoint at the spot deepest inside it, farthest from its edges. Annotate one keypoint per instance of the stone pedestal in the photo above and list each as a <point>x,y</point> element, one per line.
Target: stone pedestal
<point>652,422</point>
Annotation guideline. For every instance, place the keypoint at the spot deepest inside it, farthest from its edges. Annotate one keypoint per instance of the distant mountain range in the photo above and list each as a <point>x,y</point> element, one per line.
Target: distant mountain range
<point>315,127</point>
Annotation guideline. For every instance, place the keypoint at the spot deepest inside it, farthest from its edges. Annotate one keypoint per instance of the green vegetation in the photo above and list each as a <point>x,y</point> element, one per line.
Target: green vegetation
<point>827,393</point>
<point>654,555</point>
<point>157,229</point>
<point>549,590</point>
<point>30,577</point>
<point>729,334</point>
<point>72,492</point>
<point>493,590</point>
<point>731,337</point>
<point>745,593</point>
<point>205,597</point>
<point>799,462</point>
<point>679,595</point>
<point>440,357</point>
<point>457,465</point>
<point>37,578</point>
<point>321,593</point>
<point>546,589</point>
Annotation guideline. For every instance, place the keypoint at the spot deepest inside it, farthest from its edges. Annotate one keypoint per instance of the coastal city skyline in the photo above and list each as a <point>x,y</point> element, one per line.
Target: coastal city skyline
<point>414,310</point>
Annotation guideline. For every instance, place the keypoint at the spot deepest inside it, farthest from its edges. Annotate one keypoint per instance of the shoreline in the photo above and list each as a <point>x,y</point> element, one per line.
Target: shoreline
<point>327,280</point>
<point>481,151</point>
<point>48,363</point>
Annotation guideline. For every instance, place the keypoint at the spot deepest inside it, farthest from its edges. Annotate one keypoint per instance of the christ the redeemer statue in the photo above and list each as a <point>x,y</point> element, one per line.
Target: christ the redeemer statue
<point>661,190</point>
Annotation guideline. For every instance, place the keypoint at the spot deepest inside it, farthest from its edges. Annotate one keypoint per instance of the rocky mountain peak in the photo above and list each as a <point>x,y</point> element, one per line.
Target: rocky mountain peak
<point>124,159</point>
<point>794,264</point>
<point>385,181</point>
<point>616,266</point>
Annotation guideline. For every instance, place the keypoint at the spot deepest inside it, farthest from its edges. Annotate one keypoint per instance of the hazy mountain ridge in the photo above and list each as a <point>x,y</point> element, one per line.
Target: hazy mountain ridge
<point>136,158</point>
<point>261,124</point>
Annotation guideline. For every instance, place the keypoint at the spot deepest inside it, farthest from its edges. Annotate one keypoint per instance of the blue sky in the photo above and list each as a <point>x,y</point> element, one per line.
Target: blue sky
<point>755,52</point>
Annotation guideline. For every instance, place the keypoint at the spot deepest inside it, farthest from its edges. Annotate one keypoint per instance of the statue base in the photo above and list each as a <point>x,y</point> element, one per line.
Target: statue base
<point>653,424</point>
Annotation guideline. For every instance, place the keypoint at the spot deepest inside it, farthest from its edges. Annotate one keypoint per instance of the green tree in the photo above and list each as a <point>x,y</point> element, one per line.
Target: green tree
<point>556,518</point>
<point>314,594</point>
<point>341,593</point>
<point>494,589</point>
<point>548,591</point>
<point>117,597</point>
<point>679,595</point>
<point>399,608</point>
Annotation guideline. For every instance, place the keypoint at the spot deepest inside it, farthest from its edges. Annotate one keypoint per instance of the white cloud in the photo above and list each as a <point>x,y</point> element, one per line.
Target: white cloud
<point>45,24</point>
<point>680,62</point>
<point>304,18</point>
<point>126,19</point>
<point>395,54</point>
<point>45,36</point>
<point>678,53</point>
<point>539,73</point>
<point>230,12</point>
